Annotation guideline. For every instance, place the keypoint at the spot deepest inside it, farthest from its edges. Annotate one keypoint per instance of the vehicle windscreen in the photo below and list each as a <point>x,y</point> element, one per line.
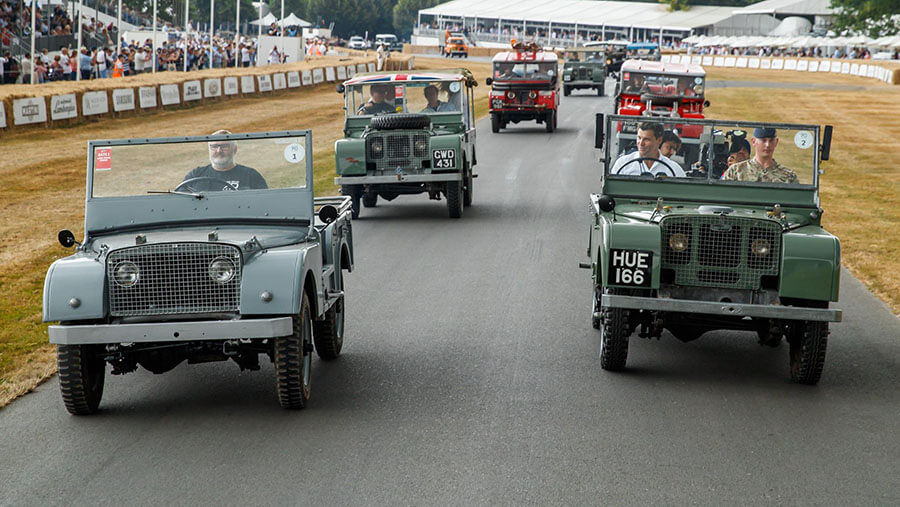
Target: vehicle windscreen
<point>426,97</point>
<point>713,152</point>
<point>586,56</point>
<point>198,166</point>
<point>524,70</point>
<point>642,53</point>
<point>663,84</point>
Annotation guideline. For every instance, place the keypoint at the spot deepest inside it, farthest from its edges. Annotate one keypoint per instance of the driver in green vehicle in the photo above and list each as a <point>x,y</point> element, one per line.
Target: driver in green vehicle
<point>647,159</point>
<point>222,173</point>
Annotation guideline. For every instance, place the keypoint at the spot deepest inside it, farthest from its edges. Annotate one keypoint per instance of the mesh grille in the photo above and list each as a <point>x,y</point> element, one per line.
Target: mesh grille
<point>174,278</point>
<point>720,250</point>
<point>398,150</point>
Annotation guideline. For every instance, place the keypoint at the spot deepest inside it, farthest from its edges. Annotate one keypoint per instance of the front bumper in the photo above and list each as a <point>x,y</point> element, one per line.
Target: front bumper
<point>171,331</point>
<point>583,83</point>
<point>721,309</point>
<point>397,178</point>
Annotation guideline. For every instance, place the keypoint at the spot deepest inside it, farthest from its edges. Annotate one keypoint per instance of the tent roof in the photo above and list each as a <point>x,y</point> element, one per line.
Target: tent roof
<point>267,20</point>
<point>801,7</point>
<point>584,12</point>
<point>292,20</point>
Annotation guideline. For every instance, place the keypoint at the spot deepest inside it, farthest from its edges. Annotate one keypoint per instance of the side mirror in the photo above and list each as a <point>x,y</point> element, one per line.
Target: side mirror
<point>488,81</point>
<point>598,131</point>
<point>66,238</point>
<point>328,213</point>
<point>826,142</point>
<point>340,88</point>
<point>606,203</point>
<point>705,103</point>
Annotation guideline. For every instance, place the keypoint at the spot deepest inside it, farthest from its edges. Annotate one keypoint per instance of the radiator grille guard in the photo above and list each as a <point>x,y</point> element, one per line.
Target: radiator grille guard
<point>173,278</point>
<point>719,250</point>
<point>404,150</point>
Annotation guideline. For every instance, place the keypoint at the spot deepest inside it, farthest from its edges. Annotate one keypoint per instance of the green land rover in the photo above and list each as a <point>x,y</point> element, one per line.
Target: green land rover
<point>700,241</point>
<point>584,68</point>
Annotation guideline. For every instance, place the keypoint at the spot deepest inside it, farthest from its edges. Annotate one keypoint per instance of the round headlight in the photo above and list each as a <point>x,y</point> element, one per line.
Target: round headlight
<point>420,145</point>
<point>221,270</point>
<point>760,247</point>
<point>510,95</point>
<point>377,147</point>
<point>678,242</point>
<point>127,274</point>
<point>532,94</point>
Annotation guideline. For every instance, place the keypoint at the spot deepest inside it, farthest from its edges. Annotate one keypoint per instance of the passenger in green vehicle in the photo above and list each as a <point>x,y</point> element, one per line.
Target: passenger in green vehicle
<point>762,167</point>
<point>434,104</point>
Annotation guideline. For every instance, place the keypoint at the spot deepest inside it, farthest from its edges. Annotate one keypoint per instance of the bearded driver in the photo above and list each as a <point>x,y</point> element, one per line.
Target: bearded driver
<point>222,173</point>
<point>762,167</point>
<point>647,158</point>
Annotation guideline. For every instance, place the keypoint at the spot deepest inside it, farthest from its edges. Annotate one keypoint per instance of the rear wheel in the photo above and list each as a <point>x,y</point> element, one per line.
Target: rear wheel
<point>614,338</point>
<point>600,91</point>
<point>470,188</point>
<point>454,199</point>
<point>566,91</point>
<point>293,360</point>
<point>82,372</point>
<point>808,343</point>
<point>495,123</point>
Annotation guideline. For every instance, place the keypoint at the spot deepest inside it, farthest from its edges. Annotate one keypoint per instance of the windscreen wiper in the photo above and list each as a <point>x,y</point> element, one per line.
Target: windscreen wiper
<point>198,195</point>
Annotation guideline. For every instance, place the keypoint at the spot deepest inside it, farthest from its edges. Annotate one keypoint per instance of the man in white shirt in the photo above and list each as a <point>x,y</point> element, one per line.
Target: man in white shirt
<point>649,138</point>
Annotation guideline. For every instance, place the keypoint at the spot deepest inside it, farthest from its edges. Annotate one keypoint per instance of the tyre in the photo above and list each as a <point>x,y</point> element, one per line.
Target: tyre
<point>614,338</point>
<point>397,121</point>
<point>370,199</point>
<point>600,91</point>
<point>596,320</point>
<point>550,121</point>
<point>82,372</point>
<point>495,123</point>
<point>454,199</point>
<point>328,333</point>
<point>566,91</point>
<point>808,342</point>
<point>355,193</point>
<point>293,360</point>
<point>469,190</point>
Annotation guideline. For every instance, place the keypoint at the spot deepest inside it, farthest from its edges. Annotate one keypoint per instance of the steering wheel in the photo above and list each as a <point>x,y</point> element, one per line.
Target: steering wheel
<point>185,183</point>
<point>643,167</point>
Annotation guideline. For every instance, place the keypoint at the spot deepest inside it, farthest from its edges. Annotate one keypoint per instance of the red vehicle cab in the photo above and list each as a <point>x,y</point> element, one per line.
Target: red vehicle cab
<point>660,89</point>
<point>525,86</point>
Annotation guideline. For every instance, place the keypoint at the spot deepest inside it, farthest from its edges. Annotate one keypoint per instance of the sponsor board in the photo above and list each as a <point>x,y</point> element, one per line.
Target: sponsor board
<point>790,65</point>
<point>777,64</point>
<point>696,60</point>
<point>845,68</point>
<point>729,61</point>
<point>192,90</point>
<point>371,67</point>
<point>94,103</point>
<point>147,95</point>
<point>318,76</point>
<point>342,72</point>
<point>351,71</point>
<point>765,64</point>
<point>123,99</point>
<point>212,87</point>
<point>707,60</point>
<point>802,65</point>
<point>169,94</point>
<point>293,79</point>
<point>2,115</point>
<point>278,81</point>
<point>30,110</point>
<point>825,66</point>
<point>265,82</point>
<point>741,62</point>
<point>63,107</point>
<point>329,74</point>
<point>854,69</point>
<point>814,66</point>
<point>306,77</point>
<point>248,84</point>
<point>361,67</point>
<point>753,63</point>
<point>411,63</point>
<point>870,71</point>
<point>230,85</point>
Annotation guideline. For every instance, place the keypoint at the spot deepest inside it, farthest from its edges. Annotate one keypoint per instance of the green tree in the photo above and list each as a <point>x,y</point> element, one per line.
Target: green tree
<point>874,18</point>
<point>353,17</point>
<point>676,5</point>
<point>406,13</point>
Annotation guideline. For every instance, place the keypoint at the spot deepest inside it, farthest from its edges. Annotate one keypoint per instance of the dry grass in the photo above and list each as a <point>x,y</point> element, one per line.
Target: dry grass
<point>861,184</point>
<point>44,188</point>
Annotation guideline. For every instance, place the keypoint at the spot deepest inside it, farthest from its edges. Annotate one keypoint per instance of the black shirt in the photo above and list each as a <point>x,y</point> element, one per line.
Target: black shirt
<point>239,176</point>
<point>377,108</point>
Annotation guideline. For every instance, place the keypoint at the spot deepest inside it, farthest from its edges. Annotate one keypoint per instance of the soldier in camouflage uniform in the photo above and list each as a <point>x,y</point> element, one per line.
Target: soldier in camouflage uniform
<point>762,167</point>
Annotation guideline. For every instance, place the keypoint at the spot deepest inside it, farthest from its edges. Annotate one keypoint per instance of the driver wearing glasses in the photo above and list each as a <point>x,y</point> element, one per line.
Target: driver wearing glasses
<point>222,173</point>
<point>647,159</point>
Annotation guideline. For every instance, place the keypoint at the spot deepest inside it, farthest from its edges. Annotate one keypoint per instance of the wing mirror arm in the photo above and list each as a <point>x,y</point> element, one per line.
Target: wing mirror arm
<point>67,239</point>
<point>826,142</point>
<point>598,131</point>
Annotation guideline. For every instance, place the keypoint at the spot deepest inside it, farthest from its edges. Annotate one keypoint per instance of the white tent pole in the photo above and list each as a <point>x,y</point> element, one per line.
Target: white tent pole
<point>602,32</point>
<point>154,36</point>
<point>212,8</point>
<point>119,29</point>
<point>78,61</point>
<point>281,40</point>
<point>33,52</point>
<point>187,30</point>
<point>237,35</point>
<point>259,28</point>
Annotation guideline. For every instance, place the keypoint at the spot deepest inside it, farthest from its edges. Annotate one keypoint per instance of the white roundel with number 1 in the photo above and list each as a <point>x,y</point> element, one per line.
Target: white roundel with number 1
<point>293,153</point>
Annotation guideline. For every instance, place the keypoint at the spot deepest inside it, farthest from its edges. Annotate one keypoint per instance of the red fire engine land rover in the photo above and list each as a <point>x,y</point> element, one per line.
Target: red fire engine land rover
<point>525,86</point>
<point>660,89</point>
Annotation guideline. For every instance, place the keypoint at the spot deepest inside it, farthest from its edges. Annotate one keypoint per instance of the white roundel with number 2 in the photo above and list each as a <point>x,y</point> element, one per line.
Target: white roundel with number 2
<point>803,139</point>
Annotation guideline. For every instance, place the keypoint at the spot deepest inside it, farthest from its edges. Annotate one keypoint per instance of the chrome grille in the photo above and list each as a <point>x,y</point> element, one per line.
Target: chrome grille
<point>398,149</point>
<point>174,278</point>
<point>719,250</point>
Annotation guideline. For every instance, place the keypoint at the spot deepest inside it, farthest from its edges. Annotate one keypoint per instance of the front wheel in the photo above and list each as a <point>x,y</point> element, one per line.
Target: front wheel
<point>495,123</point>
<point>370,199</point>
<point>82,372</point>
<point>293,360</point>
<point>469,190</point>
<point>454,199</point>
<point>550,121</point>
<point>355,194</point>
<point>614,338</point>
<point>808,342</point>
<point>328,334</point>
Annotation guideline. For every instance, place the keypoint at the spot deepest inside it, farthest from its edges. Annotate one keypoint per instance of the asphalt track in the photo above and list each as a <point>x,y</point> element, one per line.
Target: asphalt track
<point>471,377</point>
